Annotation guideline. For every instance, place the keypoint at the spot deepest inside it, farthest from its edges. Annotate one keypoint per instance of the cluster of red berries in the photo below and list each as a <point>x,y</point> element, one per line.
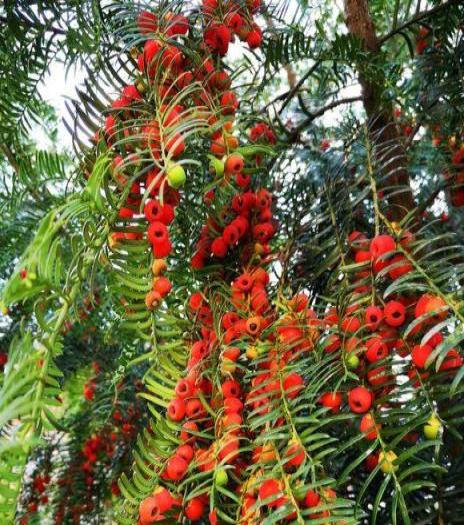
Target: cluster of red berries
<point>248,221</point>
<point>97,456</point>
<point>245,334</point>
<point>249,331</point>
<point>425,40</point>
<point>368,337</point>
<point>149,161</point>
<point>98,448</point>
<point>39,486</point>
<point>261,133</point>
<point>230,19</point>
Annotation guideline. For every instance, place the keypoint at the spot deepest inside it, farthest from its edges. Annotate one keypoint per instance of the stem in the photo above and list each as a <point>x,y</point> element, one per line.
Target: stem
<point>375,199</point>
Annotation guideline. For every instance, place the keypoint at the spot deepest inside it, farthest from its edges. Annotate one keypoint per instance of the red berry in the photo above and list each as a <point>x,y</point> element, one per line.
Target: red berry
<point>331,400</point>
<point>147,22</point>
<point>312,499</point>
<point>164,499</point>
<point>420,354</point>
<point>176,410</point>
<point>232,405</point>
<point>268,490</point>
<point>395,313</point>
<point>371,462</point>
<point>162,285</point>
<point>381,244</point>
<point>376,349</point>
<point>231,388</point>
<point>360,399</point>
<point>149,510</point>
<point>195,509</point>
<point>154,211</point>
<point>296,455</point>
<point>378,376</point>
<point>229,102</point>
<point>293,384</point>
<point>188,428</point>
<point>254,38</point>
<point>399,266</point>
<point>230,234</point>
<point>162,249</point>
<point>374,316</point>
<point>157,233</point>
<point>351,324</point>
<point>242,180</point>
<point>176,468</point>
<point>196,301</point>
<point>194,408</point>
<point>184,389</point>
<point>234,164</point>
<point>244,282</point>
<point>362,256</point>
<point>185,452</point>
<point>368,427</point>
<point>429,303</point>
<point>219,247</point>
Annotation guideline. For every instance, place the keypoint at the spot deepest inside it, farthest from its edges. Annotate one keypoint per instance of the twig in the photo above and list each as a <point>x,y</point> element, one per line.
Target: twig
<point>10,157</point>
<point>321,111</point>
<point>288,95</point>
<point>27,23</point>
<point>415,19</point>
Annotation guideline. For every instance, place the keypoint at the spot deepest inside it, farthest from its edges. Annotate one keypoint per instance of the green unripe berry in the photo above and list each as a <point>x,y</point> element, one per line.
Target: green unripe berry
<point>352,361</point>
<point>221,478</point>
<point>216,167</point>
<point>176,176</point>
<point>432,428</point>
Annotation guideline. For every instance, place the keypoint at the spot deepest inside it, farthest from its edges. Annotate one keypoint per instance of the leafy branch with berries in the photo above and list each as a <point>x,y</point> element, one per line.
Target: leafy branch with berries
<point>243,304</point>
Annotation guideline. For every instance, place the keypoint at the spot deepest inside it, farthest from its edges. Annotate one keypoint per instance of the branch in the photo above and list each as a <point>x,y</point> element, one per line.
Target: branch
<point>321,111</point>
<point>27,23</point>
<point>10,157</point>
<point>414,20</point>
<point>288,95</point>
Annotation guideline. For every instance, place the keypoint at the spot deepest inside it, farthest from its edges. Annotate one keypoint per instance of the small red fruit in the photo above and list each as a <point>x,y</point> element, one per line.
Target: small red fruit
<point>268,490</point>
<point>381,244</point>
<point>176,410</point>
<point>420,354</point>
<point>395,313</point>
<point>195,509</point>
<point>176,468</point>
<point>360,399</point>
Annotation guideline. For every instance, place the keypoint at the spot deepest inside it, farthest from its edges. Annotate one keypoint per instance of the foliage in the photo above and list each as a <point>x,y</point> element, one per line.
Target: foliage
<point>95,352</point>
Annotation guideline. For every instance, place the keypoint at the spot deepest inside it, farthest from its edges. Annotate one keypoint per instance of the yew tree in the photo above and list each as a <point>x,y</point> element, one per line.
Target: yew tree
<point>239,298</point>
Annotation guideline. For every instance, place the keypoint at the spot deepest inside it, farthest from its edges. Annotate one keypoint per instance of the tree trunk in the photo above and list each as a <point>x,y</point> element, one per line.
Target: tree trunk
<point>390,152</point>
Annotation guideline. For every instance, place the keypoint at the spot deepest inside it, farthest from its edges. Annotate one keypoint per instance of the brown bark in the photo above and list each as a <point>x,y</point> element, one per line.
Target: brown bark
<point>390,150</point>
